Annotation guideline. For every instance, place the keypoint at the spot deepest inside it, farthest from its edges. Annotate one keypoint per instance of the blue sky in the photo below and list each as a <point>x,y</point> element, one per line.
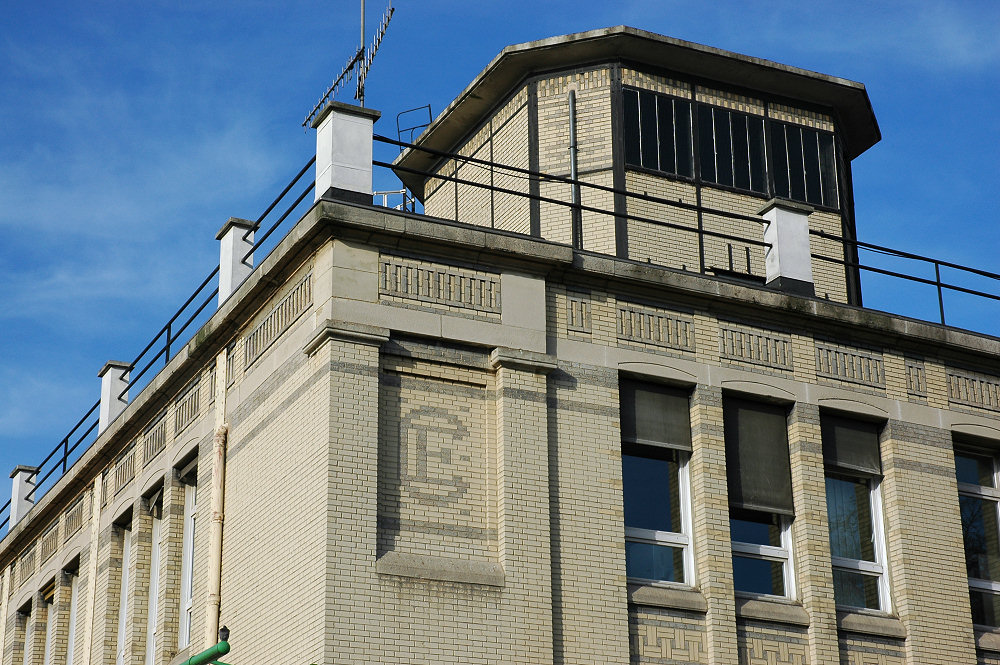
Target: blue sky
<point>129,132</point>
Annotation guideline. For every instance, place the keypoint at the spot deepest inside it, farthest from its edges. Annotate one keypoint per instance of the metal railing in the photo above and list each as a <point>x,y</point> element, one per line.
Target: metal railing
<point>939,285</point>
<point>578,208</point>
<point>159,347</point>
<point>848,246</point>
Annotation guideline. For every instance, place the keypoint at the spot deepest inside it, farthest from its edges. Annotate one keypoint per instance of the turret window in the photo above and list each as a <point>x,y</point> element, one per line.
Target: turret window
<point>732,148</point>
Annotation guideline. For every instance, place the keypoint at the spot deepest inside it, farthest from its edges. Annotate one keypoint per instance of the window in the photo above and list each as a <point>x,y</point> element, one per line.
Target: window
<point>73,600</point>
<point>48,600</point>
<point>760,496</point>
<point>187,564</point>
<point>805,166</point>
<point>979,500</point>
<point>126,546</point>
<point>24,619</point>
<point>155,510</point>
<point>658,132</point>
<point>656,445</point>
<point>854,510</point>
<point>731,148</point>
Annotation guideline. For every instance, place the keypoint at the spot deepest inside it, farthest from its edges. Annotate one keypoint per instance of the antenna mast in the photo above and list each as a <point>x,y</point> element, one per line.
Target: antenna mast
<point>361,61</point>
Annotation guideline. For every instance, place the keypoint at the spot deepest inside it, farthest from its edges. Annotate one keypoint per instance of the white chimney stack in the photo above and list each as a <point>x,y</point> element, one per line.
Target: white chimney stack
<point>114,382</point>
<point>235,241</point>
<point>788,261</point>
<point>20,502</point>
<point>344,152</point>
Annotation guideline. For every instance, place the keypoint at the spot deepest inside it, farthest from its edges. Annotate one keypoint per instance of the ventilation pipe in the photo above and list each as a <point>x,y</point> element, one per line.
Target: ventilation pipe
<point>344,152</point>
<point>577,216</point>
<point>235,242</point>
<point>788,260</point>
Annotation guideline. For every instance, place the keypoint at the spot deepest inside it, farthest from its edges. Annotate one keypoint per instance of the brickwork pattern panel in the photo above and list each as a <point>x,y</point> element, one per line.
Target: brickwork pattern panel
<point>648,241</point>
<point>772,644</point>
<point>436,491</point>
<point>869,650</point>
<point>661,637</point>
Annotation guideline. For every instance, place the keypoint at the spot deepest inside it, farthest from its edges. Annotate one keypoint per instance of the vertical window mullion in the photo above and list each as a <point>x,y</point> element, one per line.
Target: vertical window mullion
<point>684,484</point>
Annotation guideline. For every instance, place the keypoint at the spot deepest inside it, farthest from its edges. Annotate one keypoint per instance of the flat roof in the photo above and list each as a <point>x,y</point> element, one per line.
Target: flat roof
<point>848,99</point>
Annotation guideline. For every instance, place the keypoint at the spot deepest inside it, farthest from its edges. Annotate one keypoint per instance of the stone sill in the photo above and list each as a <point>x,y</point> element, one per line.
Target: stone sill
<point>672,597</point>
<point>773,609</point>
<point>870,623</point>
<point>441,569</point>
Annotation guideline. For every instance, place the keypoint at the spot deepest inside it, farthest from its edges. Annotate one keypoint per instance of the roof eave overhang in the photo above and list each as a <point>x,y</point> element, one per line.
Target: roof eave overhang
<point>848,99</point>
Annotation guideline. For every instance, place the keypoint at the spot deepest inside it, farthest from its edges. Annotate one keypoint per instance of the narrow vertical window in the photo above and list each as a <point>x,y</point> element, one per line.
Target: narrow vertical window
<point>979,500</point>
<point>126,545</point>
<point>187,565</point>
<point>154,584</point>
<point>630,111</point>
<point>48,598</point>
<point>682,138</point>
<point>760,497</point>
<point>25,615</point>
<point>71,628</point>
<point>706,143</point>
<point>648,130</point>
<point>656,446</point>
<point>854,510</point>
<point>665,124</point>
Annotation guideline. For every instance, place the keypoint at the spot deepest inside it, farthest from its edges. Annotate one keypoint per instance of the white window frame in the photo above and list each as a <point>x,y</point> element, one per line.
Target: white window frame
<point>187,565</point>
<point>878,568</point>
<point>681,539</point>
<point>154,590</point>
<point>29,629</point>
<point>123,596</point>
<point>781,554</point>
<point>990,494</point>
<point>50,629</point>
<point>71,629</point>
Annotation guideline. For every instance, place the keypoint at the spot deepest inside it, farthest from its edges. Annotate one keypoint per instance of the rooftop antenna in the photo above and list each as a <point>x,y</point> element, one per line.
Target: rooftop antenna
<point>358,65</point>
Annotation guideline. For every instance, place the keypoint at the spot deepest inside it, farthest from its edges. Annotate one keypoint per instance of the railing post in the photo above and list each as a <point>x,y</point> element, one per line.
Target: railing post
<point>235,242</point>
<point>20,502</point>
<point>114,392</point>
<point>344,152</point>
<point>788,260</point>
<point>937,282</point>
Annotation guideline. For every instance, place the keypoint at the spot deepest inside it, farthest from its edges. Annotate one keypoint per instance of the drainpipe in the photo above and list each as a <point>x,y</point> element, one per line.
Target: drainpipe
<point>577,216</point>
<point>218,502</point>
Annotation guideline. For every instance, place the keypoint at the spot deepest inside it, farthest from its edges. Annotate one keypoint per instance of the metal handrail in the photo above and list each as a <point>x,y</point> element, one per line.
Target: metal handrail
<point>166,336</point>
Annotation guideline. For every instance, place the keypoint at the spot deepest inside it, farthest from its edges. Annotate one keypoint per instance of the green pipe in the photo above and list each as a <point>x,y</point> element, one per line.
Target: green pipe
<point>208,655</point>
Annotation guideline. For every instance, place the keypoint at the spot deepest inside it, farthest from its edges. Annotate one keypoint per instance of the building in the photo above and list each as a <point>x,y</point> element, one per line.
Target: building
<point>630,410</point>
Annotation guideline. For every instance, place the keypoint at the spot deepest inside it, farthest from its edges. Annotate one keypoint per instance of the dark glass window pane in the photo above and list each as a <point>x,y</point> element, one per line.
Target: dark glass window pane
<point>750,526</point>
<point>779,160</point>
<point>654,562</point>
<point>979,531</point>
<point>682,125</point>
<point>706,143</point>
<point>810,157</point>
<point>855,589</point>
<point>758,160</point>
<point>974,469</point>
<point>758,576</point>
<point>723,149</point>
<point>630,109</point>
<point>652,499</point>
<point>741,153</point>
<point>665,119</point>
<point>985,608</point>
<point>647,124</point>
<point>796,177</point>
<point>849,510</point>
<point>828,170</point>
